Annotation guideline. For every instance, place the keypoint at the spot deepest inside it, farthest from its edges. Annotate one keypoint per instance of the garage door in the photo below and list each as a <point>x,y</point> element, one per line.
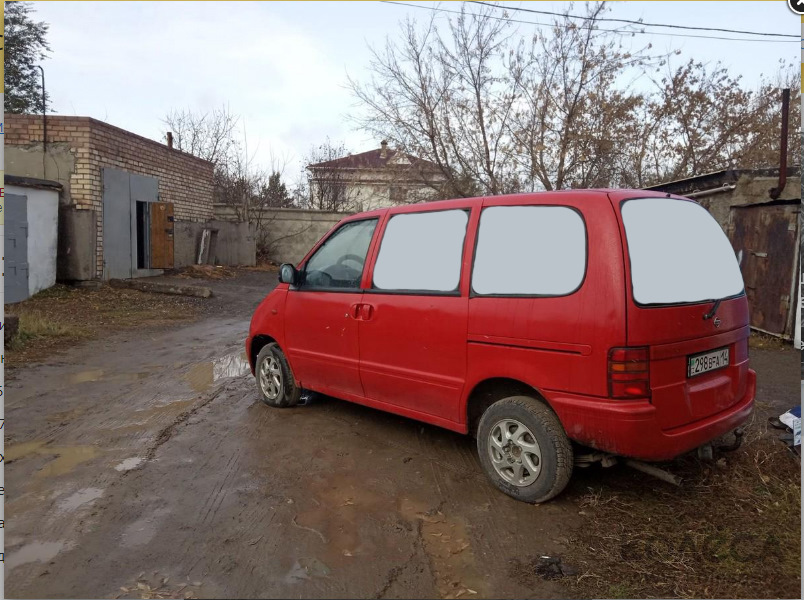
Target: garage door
<point>16,248</point>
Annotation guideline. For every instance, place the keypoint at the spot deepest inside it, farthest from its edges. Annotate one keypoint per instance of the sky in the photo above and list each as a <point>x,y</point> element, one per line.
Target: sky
<point>283,66</point>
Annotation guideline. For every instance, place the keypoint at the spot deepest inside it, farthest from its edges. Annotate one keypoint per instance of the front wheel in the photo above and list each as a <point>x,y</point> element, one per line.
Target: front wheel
<point>524,450</point>
<point>275,379</point>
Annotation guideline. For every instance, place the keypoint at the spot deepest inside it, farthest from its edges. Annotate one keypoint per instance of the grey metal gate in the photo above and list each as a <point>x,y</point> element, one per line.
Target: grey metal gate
<point>16,248</point>
<point>117,261</point>
<point>121,192</point>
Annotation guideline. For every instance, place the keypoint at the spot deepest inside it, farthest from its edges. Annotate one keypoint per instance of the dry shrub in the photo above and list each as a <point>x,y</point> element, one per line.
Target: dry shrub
<point>731,530</point>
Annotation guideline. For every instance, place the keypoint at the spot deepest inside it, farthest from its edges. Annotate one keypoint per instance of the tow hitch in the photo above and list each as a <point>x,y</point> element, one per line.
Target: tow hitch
<point>738,440</point>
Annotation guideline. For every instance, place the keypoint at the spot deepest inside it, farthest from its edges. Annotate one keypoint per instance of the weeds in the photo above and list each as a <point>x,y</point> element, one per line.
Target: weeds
<point>732,530</point>
<point>36,325</point>
<point>61,315</point>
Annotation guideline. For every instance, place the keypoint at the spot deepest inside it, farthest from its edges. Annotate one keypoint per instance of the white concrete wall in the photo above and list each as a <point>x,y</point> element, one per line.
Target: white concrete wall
<point>43,220</point>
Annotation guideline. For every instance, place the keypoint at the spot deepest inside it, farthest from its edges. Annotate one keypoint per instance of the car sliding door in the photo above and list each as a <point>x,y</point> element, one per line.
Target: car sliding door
<point>413,316</point>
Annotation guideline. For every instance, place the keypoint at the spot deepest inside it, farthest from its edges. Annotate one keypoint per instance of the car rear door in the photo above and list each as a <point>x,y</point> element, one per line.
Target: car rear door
<point>414,313</point>
<point>679,264</point>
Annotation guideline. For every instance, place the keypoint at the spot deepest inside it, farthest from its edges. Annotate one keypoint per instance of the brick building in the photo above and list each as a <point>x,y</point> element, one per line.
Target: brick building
<point>121,194</point>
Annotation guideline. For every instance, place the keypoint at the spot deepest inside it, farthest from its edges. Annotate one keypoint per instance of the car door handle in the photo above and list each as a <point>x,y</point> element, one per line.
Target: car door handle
<point>366,311</point>
<point>354,311</point>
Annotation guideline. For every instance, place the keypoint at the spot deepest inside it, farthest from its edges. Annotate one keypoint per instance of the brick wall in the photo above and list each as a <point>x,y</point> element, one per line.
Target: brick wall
<point>184,180</point>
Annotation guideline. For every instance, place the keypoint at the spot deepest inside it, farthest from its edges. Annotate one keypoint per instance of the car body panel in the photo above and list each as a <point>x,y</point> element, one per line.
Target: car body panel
<point>423,355</point>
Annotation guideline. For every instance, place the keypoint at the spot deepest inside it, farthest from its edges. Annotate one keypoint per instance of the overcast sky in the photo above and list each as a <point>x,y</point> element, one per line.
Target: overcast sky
<point>282,66</point>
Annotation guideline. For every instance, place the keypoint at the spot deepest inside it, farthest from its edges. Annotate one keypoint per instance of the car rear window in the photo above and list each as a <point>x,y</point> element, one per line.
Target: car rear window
<point>678,252</point>
<point>529,251</point>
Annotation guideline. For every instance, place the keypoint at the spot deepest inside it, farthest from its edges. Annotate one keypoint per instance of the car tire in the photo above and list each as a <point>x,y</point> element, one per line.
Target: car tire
<point>524,450</point>
<point>275,380</point>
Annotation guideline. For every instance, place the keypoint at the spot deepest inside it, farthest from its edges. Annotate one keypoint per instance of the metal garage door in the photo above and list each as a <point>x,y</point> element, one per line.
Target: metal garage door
<point>16,248</point>
<point>768,236</point>
<point>117,262</point>
<point>121,192</point>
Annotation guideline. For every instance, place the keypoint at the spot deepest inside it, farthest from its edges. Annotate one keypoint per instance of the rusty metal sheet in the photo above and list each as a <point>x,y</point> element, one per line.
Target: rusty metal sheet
<point>767,236</point>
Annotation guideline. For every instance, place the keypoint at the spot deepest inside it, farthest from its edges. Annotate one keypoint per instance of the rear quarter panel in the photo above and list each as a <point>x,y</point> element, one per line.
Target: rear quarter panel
<point>556,343</point>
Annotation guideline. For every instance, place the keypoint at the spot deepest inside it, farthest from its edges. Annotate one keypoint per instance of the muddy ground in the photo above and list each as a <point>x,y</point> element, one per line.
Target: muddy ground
<point>142,464</point>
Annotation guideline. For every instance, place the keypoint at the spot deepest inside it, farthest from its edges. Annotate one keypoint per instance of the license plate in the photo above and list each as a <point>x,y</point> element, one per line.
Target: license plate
<point>709,361</point>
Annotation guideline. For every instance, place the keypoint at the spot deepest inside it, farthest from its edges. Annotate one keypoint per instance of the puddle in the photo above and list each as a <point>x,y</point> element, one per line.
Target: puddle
<point>68,457</point>
<point>163,411</point>
<point>78,499</point>
<point>129,464</point>
<point>84,376</point>
<point>17,451</point>
<point>99,374</point>
<point>202,375</point>
<point>304,568</point>
<point>127,377</point>
<point>34,552</point>
<point>142,531</point>
<point>233,365</point>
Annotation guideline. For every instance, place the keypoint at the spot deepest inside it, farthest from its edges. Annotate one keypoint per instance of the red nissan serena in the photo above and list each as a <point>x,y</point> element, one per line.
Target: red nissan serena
<point>539,323</point>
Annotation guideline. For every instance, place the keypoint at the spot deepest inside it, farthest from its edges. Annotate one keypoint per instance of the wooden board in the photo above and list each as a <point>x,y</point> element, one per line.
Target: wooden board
<point>161,235</point>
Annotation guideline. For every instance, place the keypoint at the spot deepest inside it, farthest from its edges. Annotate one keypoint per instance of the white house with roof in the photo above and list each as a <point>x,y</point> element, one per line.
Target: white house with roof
<point>375,179</point>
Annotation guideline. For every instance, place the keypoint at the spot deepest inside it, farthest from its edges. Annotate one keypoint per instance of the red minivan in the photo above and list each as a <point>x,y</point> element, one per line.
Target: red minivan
<point>539,323</point>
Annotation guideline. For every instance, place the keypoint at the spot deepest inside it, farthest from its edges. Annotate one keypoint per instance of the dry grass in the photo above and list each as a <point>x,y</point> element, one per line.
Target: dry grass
<point>36,325</point>
<point>221,272</point>
<point>62,316</point>
<point>207,272</point>
<point>733,529</point>
<point>763,340</point>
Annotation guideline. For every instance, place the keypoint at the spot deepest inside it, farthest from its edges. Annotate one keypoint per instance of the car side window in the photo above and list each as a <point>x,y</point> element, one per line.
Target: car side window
<point>422,252</point>
<point>529,251</point>
<point>338,264</point>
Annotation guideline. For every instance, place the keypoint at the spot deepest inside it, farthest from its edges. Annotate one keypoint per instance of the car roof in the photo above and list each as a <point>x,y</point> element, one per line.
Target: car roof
<point>540,197</point>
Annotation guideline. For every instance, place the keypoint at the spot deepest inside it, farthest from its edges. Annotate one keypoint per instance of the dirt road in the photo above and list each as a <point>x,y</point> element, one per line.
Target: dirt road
<point>144,465</point>
<point>149,452</point>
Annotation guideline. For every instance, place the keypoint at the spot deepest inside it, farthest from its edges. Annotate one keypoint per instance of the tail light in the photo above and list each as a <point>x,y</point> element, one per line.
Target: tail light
<point>629,373</point>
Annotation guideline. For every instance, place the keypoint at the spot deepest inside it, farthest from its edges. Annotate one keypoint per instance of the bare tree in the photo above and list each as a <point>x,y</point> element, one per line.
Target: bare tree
<point>327,181</point>
<point>499,111</point>
<point>239,182</point>
<point>209,135</point>
<point>447,99</point>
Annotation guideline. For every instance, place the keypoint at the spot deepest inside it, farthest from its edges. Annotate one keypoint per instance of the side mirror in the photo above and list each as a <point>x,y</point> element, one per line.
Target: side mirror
<point>288,274</point>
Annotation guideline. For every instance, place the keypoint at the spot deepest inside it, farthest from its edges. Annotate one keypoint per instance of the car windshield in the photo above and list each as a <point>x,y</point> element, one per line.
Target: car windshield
<point>678,252</point>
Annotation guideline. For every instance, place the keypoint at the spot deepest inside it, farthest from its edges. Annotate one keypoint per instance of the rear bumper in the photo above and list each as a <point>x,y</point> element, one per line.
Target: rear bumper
<point>631,428</point>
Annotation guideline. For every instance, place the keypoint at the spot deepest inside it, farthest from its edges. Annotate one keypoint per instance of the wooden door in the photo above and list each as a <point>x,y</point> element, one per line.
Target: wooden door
<point>161,235</point>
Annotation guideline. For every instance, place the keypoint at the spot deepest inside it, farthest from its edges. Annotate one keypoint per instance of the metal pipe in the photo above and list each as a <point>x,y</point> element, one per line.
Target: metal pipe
<point>777,191</point>
<point>724,188</point>
<point>655,471</point>
<point>44,111</point>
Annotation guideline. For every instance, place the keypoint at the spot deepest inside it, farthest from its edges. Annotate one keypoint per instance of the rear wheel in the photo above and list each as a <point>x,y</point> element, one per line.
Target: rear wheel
<point>524,450</point>
<point>275,379</point>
